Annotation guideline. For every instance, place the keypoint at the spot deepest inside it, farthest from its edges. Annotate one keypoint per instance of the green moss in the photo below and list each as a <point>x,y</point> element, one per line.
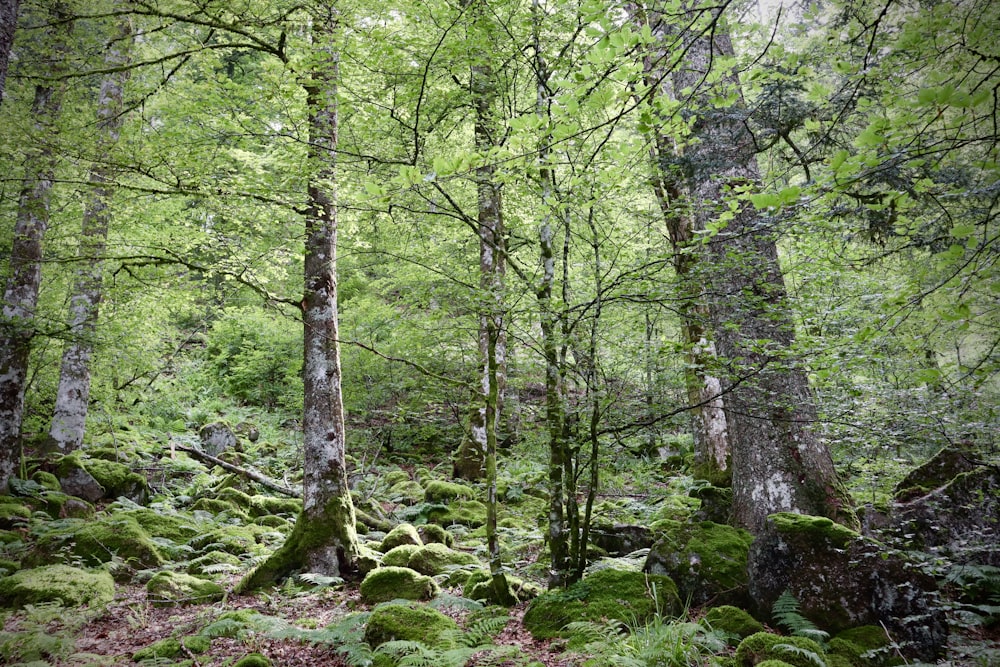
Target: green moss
<point>47,480</point>
<point>407,622</point>
<point>67,585</point>
<point>368,560</point>
<point>165,648</point>
<point>775,663</point>
<point>236,540</point>
<point>389,583</point>
<point>13,513</point>
<point>399,556</point>
<point>252,660</point>
<point>407,492</point>
<point>217,506</point>
<point>236,497</point>
<point>197,644</point>
<point>432,532</point>
<point>733,621</point>
<point>762,646</point>
<point>197,566</point>
<point>436,558</point>
<point>273,521</point>
<point>482,589</point>
<point>394,477</point>
<point>708,561</point>
<point>606,594</point>
<point>470,513</point>
<point>851,644</point>
<point>404,533</point>
<point>814,527</point>
<point>8,566</point>
<point>117,479</point>
<point>441,491</point>
<point>174,527</point>
<point>98,541</point>
<point>266,505</point>
<point>168,588</point>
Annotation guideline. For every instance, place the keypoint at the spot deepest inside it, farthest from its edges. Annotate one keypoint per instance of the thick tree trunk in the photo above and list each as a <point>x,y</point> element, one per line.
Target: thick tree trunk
<point>20,297</point>
<point>70,414</point>
<point>324,538</point>
<point>778,462</point>
<point>8,26</point>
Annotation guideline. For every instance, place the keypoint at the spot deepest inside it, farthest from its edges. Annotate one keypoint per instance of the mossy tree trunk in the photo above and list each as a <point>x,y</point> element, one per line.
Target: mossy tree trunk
<point>779,464</point>
<point>324,540</point>
<point>8,25</point>
<point>20,296</point>
<point>72,397</point>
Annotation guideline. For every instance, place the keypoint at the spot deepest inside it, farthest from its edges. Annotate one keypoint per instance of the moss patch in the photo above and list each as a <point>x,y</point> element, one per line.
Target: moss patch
<point>98,541</point>
<point>12,513</point>
<point>606,594</point>
<point>261,505</point>
<point>406,492</point>
<point>440,491</point>
<point>197,566</point>
<point>389,583</point>
<point>252,660</point>
<point>436,558</point>
<point>407,622</point>
<point>399,556</point>
<point>470,513</point>
<point>70,586</point>
<point>431,532</point>
<point>816,528</point>
<point>404,533</point>
<point>165,648</point>
<point>174,527</point>
<point>118,479</point>
<point>732,621</point>
<point>762,646</point>
<point>173,588</point>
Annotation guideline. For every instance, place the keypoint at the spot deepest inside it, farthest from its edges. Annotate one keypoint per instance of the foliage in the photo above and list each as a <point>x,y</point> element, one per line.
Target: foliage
<point>785,612</point>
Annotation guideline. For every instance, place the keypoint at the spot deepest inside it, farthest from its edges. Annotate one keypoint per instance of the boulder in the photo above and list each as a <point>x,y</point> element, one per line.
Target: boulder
<point>440,491</point>
<point>436,558</point>
<point>407,622</point>
<point>69,586</point>
<point>169,588</point>
<point>471,513</point>
<point>621,539</point>
<point>707,561</point>
<point>216,438</point>
<point>389,583</point>
<point>431,532</point>
<point>842,580</point>
<point>940,469</point>
<point>399,556</point>
<point>75,480</point>
<point>404,533</point>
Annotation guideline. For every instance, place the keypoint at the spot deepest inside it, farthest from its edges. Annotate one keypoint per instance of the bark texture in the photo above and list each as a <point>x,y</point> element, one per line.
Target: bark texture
<point>324,538</point>
<point>8,26</point>
<point>778,463</point>
<point>70,414</point>
<point>20,296</point>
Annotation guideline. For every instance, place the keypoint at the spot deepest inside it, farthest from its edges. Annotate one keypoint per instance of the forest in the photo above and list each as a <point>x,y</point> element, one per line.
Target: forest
<point>500,332</point>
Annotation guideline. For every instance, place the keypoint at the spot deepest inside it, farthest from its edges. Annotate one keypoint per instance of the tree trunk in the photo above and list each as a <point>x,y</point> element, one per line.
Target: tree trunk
<point>20,296</point>
<point>70,414</point>
<point>8,26</point>
<point>778,463</point>
<point>471,457</point>
<point>324,540</point>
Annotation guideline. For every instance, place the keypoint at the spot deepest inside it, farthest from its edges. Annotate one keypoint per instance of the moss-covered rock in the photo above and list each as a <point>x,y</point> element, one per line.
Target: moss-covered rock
<point>274,521</point>
<point>399,556</point>
<point>389,583</point>
<point>168,588</point>
<point>12,513</point>
<point>762,646</point>
<point>605,594</point>
<point>46,480</point>
<point>197,644</point>
<point>197,566</point>
<point>70,586</point>
<point>368,560</point>
<point>118,480</point>
<point>940,469</point>
<point>218,506</point>
<point>842,580</point>
<point>733,621</point>
<point>404,533</point>
<point>853,643</point>
<point>707,561</point>
<point>261,505</point>
<point>437,491</point>
<point>436,558</point>
<point>394,477</point>
<point>252,660</point>
<point>99,541</point>
<point>406,492</point>
<point>8,566</point>
<point>174,527</point>
<point>480,586</point>
<point>431,532</point>
<point>76,480</point>
<point>165,648</point>
<point>470,513</point>
<point>407,622</point>
<point>237,540</point>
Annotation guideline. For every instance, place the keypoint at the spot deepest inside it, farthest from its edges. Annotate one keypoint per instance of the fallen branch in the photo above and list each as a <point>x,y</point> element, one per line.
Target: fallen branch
<point>250,474</point>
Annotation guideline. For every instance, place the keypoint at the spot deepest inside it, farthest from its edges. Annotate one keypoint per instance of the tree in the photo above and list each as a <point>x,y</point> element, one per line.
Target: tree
<point>324,539</point>
<point>8,25</point>
<point>779,464</point>
<point>72,397</point>
<point>20,297</point>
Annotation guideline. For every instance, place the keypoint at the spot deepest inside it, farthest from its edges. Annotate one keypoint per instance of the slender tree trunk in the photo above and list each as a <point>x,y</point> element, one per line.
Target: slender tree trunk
<point>779,464</point>
<point>70,414</point>
<point>324,538</point>
<point>8,26</point>
<point>704,390</point>
<point>471,456</point>
<point>20,297</point>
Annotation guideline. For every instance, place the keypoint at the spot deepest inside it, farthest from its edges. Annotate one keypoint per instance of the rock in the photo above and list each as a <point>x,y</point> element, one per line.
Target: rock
<point>605,594</point>
<point>75,480</point>
<point>217,437</point>
<point>46,480</point>
<point>407,622</point>
<point>70,586</point>
<point>761,647</point>
<point>117,480</point>
<point>12,513</point>
<point>163,649</point>
<point>716,504</point>
<point>168,588</point>
<point>99,541</point>
<point>436,558</point>
<point>440,491</point>
<point>707,561</point>
<point>431,532</point>
<point>479,586</point>
<point>470,513</point>
<point>621,539</point>
<point>732,621</point>
<point>253,660</point>
<point>842,580</point>
<point>399,556</point>
<point>389,583</point>
<point>404,533</point>
<point>406,492</point>
<point>944,466</point>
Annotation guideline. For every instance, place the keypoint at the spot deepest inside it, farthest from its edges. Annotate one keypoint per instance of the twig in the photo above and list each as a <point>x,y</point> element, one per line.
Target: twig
<point>251,474</point>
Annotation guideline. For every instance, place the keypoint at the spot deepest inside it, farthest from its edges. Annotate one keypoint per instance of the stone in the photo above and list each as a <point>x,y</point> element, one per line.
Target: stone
<point>76,481</point>
<point>117,480</point>
<point>168,588</point>
<point>436,558</point>
<point>389,583</point>
<point>216,438</point>
<point>404,533</point>
<point>471,513</point>
<point>70,586</point>
<point>733,621</point>
<point>842,580</point>
<point>407,622</point>
<point>761,647</point>
<point>620,539</point>
<point>707,561</point>
<point>940,469</point>
<point>431,532</point>
<point>440,491</point>
<point>399,556</point>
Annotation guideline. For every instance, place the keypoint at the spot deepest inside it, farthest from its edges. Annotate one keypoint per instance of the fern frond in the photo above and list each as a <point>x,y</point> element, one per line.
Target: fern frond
<point>481,632</point>
<point>217,568</point>
<point>811,656</point>
<point>321,580</point>
<point>785,611</point>
<point>444,600</point>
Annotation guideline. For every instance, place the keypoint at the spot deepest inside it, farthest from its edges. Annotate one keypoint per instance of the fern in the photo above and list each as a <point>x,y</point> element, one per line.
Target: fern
<point>786,614</point>
<point>445,600</point>
<point>811,656</point>
<point>482,631</point>
<point>320,580</point>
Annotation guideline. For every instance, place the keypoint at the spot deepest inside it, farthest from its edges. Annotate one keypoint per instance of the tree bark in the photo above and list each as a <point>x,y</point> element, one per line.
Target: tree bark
<point>324,538</point>
<point>8,26</point>
<point>70,414</point>
<point>20,297</point>
<point>779,464</point>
